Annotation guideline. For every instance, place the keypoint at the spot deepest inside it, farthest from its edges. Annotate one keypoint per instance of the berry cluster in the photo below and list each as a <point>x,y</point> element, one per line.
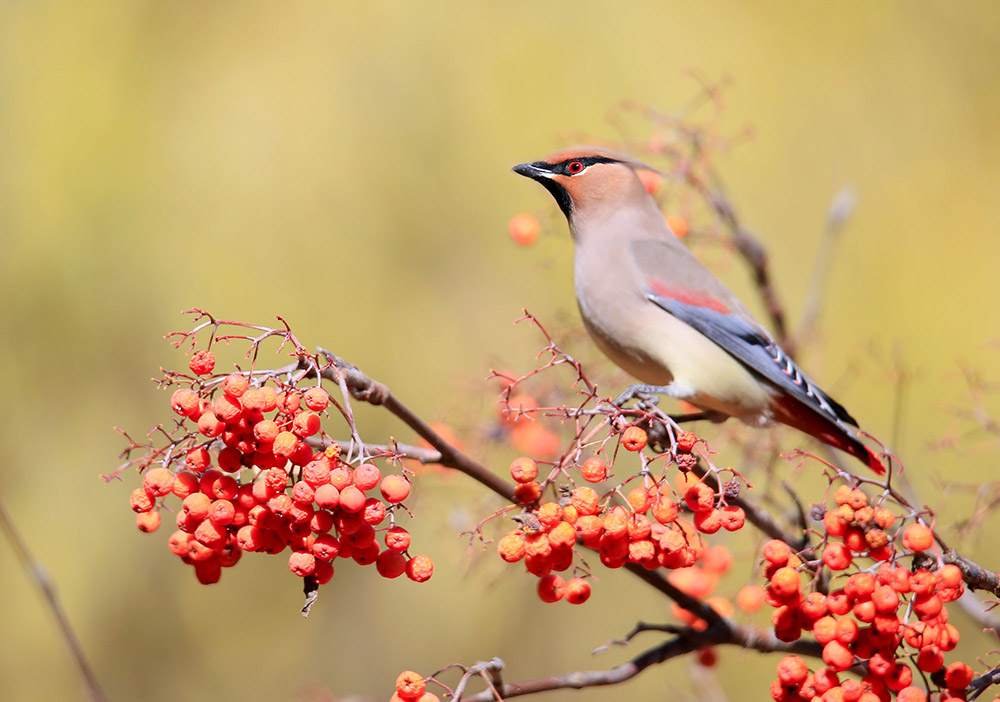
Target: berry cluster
<point>248,481</point>
<point>648,530</point>
<point>890,619</point>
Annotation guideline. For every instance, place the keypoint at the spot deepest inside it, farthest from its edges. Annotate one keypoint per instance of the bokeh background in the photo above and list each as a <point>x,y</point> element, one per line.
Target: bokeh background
<point>346,165</point>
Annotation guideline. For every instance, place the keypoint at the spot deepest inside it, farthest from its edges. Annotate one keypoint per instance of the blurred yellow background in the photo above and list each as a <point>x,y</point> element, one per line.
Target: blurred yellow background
<point>346,165</point>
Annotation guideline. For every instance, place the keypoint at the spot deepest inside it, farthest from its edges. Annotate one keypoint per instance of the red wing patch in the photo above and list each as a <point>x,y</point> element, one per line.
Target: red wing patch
<point>687,297</point>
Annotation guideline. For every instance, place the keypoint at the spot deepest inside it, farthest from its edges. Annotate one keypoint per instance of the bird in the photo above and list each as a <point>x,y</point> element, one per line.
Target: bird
<point>659,314</point>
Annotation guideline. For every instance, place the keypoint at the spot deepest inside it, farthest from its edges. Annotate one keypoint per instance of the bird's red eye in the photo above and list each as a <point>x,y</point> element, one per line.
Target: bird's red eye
<point>574,167</point>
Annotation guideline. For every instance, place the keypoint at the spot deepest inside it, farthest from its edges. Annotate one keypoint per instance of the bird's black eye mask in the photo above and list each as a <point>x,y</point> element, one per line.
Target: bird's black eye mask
<point>575,166</point>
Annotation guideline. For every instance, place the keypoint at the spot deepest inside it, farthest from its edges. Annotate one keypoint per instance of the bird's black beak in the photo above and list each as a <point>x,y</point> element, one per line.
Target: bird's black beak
<point>535,171</point>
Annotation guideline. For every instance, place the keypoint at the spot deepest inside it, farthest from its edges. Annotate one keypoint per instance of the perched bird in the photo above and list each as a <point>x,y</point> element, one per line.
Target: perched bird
<point>659,314</point>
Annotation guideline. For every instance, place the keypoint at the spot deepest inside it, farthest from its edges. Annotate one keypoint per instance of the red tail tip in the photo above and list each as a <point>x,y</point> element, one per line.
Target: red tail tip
<point>874,463</point>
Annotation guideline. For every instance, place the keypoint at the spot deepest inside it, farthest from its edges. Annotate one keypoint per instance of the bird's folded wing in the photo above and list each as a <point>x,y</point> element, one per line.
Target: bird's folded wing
<point>748,345</point>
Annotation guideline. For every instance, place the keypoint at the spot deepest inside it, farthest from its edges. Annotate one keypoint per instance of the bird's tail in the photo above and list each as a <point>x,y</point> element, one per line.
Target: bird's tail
<point>788,410</point>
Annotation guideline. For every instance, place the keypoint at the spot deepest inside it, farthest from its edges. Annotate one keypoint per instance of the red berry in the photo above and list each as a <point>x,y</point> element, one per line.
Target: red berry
<point>395,488</point>
<point>158,481</point>
<point>523,470</point>
<point>147,521</point>
<point>577,591</point>
<point>390,564</point>
<point>202,362</point>
<point>594,470</point>
<point>634,438</point>
<point>420,568</point>
<point>316,399</point>
<point>551,588</point>
<point>302,563</point>
<point>367,476</point>
<point>184,402</point>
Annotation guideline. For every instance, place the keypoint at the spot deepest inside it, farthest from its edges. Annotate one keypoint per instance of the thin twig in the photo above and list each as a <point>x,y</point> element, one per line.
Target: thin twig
<point>45,585</point>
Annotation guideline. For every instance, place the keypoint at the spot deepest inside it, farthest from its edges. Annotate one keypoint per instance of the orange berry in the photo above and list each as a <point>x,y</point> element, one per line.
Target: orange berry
<point>326,547</point>
<point>527,493</point>
<point>317,399</point>
<point>367,476</point>
<point>513,546</point>
<point>523,469</point>
<point>634,438</point>
<point>708,521</point>
<point>733,517</point>
<point>577,591</point>
<point>327,496</point>
<point>699,498</point>
<point>639,499</point>
<point>911,694</point>
<point>549,514</point>
<point>197,459</point>
<point>664,510</point>
<point>750,598</point>
<point>202,362</point>
<point>837,656</point>
<point>306,423</point>
<point>650,180</point>
<point>185,402</point>
<point>678,225</point>
<point>594,470</point>
<point>185,484</point>
<point>857,499</point>
<point>551,588</point>
<point>158,481</point>
<point>210,425</point>
<point>285,443</point>
<point>958,675</point>
<point>586,500</point>
<point>373,512</point>
<point>397,539</point>
<point>147,521</point>
<point>918,537</point>
<point>395,488</point>
<point>265,431</point>
<point>524,229</point>
<point>302,563</point>
<point>792,670</point>
<point>420,568</point>
<point>837,556</point>
<point>340,476</point>
<point>142,501</point>
<point>410,685</point>
<point>686,441</point>
<point>930,659</point>
<point>352,499</point>
<point>884,518</point>
<point>227,408</point>
<point>785,582</point>
<point>235,384</point>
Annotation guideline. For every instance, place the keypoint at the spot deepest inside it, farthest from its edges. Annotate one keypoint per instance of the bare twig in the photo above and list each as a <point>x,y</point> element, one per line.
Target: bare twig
<point>45,585</point>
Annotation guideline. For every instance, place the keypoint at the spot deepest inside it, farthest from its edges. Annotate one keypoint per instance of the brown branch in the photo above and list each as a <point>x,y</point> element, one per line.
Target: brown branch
<point>366,389</point>
<point>41,580</point>
<point>720,634</point>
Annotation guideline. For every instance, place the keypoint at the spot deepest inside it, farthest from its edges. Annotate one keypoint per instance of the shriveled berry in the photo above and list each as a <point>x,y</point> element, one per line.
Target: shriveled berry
<point>594,470</point>
<point>202,362</point>
<point>420,568</point>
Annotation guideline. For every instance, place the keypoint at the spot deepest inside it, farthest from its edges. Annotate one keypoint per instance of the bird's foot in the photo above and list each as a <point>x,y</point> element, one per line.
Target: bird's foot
<point>647,395</point>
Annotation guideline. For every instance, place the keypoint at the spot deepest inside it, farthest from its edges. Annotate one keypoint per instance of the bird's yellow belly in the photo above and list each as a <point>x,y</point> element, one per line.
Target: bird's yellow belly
<point>662,350</point>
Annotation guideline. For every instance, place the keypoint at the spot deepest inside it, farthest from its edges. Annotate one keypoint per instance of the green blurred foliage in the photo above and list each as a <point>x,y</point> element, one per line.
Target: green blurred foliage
<point>345,165</point>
